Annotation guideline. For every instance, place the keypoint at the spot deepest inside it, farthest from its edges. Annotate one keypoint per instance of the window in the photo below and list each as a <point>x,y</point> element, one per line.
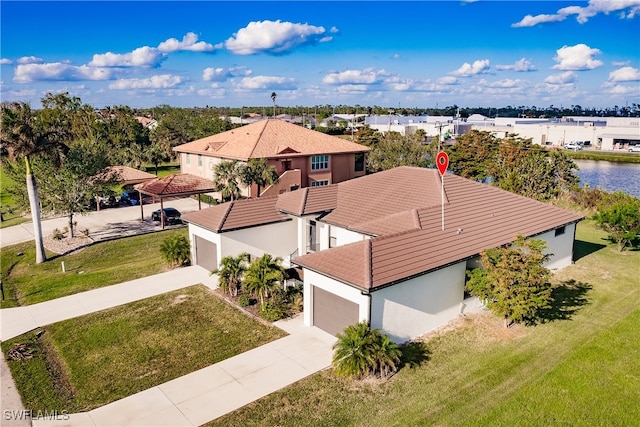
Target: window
<point>320,162</point>
<point>199,160</point>
<point>188,158</point>
<point>359,166</point>
<point>559,231</point>
<point>319,183</point>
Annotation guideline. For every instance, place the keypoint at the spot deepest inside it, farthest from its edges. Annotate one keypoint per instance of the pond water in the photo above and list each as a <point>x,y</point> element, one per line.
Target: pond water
<point>610,176</point>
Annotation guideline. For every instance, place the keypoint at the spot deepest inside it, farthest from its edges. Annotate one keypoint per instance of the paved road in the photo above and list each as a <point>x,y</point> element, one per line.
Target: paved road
<point>105,224</point>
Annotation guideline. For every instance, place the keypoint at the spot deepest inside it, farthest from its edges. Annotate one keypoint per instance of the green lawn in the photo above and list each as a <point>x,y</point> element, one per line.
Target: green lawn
<point>579,369</point>
<point>8,207</point>
<point>102,264</point>
<point>93,360</point>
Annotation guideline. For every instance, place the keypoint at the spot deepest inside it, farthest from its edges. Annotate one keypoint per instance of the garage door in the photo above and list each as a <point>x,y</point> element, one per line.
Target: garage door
<point>332,313</point>
<point>206,254</point>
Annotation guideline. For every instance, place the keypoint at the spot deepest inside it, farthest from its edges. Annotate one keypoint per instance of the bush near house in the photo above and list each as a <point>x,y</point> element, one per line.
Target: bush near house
<point>176,250</point>
<point>361,351</point>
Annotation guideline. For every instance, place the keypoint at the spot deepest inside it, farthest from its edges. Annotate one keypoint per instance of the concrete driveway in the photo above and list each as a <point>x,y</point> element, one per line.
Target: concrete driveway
<point>103,225</point>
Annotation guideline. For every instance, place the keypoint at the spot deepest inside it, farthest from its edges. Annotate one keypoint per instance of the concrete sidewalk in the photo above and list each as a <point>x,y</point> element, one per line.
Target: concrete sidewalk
<point>18,320</point>
<point>211,392</point>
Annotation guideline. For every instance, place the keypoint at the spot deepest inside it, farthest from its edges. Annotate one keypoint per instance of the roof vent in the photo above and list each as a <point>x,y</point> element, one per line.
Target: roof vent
<point>459,230</point>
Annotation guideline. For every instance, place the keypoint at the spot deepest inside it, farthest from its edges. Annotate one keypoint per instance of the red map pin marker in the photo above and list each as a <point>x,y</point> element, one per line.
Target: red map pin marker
<point>442,161</point>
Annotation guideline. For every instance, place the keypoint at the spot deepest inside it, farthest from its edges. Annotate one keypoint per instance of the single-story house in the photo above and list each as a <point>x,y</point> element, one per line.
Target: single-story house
<point>301,157</point>
<point>377,248</point>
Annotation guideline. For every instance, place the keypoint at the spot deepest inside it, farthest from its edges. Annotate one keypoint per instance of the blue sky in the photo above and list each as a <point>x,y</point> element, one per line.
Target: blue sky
<point>408,54</point>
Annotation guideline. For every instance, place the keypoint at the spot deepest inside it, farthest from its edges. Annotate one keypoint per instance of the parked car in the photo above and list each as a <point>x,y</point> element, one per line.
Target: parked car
<point>171,216</point>
<point>131,197</point>
<point>634,149</point>
<point>573,146</point>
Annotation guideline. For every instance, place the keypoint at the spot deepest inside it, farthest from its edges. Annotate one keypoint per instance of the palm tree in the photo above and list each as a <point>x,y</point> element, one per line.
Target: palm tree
<point>231,271</point>
<point>259,172</point>
<point>353,354</point>
<point>227,179</point>
<point>264,276</point>
<point>361,351</point>
<point>21,138</point>
<point>273,98</point>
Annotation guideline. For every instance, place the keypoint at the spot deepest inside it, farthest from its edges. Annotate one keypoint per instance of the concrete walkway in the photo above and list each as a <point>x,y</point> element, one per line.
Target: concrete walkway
<point>18,320</point>
<point>211,392</point>
<point>193,399</point>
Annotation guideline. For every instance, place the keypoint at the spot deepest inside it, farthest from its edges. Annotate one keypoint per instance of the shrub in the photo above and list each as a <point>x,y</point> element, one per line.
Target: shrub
<point>244,301</point>
<point>272,311</point>
<point>176,250</point>
<point>57,234</point>
<point>361,351</point>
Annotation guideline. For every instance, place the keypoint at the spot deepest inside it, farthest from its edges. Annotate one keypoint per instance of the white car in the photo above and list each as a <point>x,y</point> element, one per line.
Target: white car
<point>634,149</point>
<point>573,146</point>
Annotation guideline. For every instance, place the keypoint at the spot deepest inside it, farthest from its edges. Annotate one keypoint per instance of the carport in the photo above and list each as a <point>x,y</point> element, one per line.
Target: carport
<point>126,176</point>
<point>174,186</point>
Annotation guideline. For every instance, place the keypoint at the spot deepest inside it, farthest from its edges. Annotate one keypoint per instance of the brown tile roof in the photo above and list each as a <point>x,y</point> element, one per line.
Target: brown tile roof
<point>269,138</point>
<point>308,200</point>
<point>128,175</point>
<point>477,217</point>
<point>177,184</point>
<point>237,214</point>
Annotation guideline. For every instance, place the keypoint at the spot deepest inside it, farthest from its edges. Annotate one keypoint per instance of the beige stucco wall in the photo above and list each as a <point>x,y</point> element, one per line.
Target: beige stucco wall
<point>414,307</point>
<point>560,246</point>
<point>278,239</point>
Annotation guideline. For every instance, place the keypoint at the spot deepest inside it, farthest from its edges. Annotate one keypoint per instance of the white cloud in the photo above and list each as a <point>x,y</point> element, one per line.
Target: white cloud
<point>189,42</point>
<point>161,81</point>
<point>628,10</point>
<point>5,61</point>
<point>480,66</point>
<point>367,76</point>
<point>29,60</point>
<point>448,80</point>
<point>576,58</point>
<point>502,84</point>
<point>617,89</point>
<point>531,21</point>
<point>625,74</point>
<point>27,73</point>
<point>267,82</point>
<point>274,37</point>
<point>521,65</point>
<point>568,77</point>
<point>222,74</point>
<point>141,57</point>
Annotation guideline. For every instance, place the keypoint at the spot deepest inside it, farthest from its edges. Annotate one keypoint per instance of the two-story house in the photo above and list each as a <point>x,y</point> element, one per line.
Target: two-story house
<point>300,156</point>
<point>378,248</point>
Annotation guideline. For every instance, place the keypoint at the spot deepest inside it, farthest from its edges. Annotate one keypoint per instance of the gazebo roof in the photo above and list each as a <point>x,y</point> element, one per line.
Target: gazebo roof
<point>176,185</point>
<point>128,175</point>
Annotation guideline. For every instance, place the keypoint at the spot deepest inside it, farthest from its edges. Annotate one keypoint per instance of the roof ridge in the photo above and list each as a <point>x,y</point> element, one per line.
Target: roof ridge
<point>304,200</point>
<point>266,122</point>
<point>225,216</point>
<point>368,264</point>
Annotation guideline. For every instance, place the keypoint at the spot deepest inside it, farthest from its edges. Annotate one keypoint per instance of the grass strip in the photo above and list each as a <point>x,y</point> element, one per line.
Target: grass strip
<point>101,264</point>
<point>89,361</point>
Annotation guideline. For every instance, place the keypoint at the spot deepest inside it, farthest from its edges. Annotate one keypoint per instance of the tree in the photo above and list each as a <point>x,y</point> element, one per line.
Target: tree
<point>472,155</point>
<point>361,351</point>
<point>23,138</point>
<point>231,272</point>
<point>258,172</point>
<point>176,250</point>
<point>513,280</point>
<point>395,150</point>
<point>264,276</point>
<point>273,98</point>
<point>619,215</point>
<point>68,189</point>
<point>227,179</point>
